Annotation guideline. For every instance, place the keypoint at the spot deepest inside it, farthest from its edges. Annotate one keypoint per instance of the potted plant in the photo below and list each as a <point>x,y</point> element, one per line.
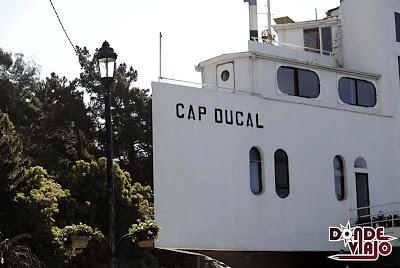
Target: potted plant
<point>396,220</point>
<point>144,233</point>
<point>393,220</point>
<point>73,238</point>
<point>363,221</point>
<point>380,219</point>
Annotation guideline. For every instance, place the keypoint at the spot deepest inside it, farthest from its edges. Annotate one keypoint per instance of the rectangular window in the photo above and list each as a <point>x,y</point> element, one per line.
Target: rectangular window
<point>311,40</point>
<point>308,84</point>
<point>357,92</point>
<point>286,77</point>
<point>326,34</point>
<point>398,63</point>
<point>366,95</point>
<point>298,82</point>
<point>397,21</point>
<point>348,90</point>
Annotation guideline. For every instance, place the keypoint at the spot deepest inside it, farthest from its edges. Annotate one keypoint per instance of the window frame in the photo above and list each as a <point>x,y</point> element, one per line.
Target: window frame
<point>360,164</point>
<point>320,41</point>
<point>296,82</point>
<point>230,83</point>
<point>342,195</point>
<point>398,65</point>
<point>287,179</point>
<point>361,172</point>
<point>259,162</point>
<point>312,49</point>
<point>397,25</point>
<point>341,101</point>
<point>323,45</point>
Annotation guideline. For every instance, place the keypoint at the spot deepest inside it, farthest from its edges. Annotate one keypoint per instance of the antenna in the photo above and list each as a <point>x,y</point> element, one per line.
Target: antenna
<point>159,76</point>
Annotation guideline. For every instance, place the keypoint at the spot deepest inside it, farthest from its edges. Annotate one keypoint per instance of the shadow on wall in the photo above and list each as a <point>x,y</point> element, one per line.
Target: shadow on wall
<point>247,259</point>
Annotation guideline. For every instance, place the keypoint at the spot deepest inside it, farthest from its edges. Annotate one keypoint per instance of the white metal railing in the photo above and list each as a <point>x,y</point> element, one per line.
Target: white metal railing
<point>276,43</point>
<point>388,215</point>
<point>209,86</point>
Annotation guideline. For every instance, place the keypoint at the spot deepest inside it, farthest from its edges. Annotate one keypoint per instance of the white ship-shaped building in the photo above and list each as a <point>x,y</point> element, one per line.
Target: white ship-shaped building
<point>285,139</point>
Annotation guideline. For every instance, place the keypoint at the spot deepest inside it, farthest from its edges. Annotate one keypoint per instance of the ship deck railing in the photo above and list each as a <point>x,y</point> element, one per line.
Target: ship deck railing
<point>203,85</point>
<point>385,215</point>
<point>296,47</point>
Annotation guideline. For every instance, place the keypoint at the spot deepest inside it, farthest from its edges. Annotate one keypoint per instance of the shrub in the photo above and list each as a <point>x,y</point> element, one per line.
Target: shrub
<point>62,237</point>
<point>144,230</point>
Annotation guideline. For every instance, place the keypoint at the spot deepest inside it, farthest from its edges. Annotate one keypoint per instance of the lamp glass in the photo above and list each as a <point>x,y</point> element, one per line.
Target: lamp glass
<point>106,66</point>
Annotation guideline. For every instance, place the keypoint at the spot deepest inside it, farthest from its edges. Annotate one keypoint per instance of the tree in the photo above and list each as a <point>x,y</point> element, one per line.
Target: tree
<point>65,132</point>
<point>12,164</point>
<point>132,132</point>
<point>58,128</point>
<point>88,203</point>
<point>52,170</point>
<point>13,254</point>
<point>29,197</point>
<point>39,195</point>
<point>88,187</point>
<point>18,84</point>
<point>50,116</point>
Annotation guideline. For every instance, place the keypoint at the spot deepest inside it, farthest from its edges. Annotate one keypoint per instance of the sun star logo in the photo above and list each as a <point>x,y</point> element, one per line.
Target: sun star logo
<point>364,243</point>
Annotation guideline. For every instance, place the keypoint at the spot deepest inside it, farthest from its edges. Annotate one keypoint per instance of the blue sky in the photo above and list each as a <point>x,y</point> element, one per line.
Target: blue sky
<point>193,30</point>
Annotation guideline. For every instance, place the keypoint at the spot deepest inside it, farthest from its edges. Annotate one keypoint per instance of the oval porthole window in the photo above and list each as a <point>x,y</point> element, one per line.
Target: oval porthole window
<point>255,171</point>
<point>225,75</point>
<point>339,177</point>
<point>281,173</point>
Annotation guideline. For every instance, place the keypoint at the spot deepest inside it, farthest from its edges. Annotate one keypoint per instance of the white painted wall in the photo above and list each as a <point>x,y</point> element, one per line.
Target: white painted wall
<point>292,36</point>
<point>294,54</point>
<point>201,168</point>
<point>369,44</point>
<point>201,175</point>
<point>242,70</point>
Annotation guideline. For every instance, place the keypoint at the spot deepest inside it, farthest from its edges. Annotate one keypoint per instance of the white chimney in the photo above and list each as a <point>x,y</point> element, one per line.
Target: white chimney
<point>253,19</point>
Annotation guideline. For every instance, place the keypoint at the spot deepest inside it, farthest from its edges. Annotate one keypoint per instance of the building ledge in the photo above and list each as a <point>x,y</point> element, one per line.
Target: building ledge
<point>304,58</point>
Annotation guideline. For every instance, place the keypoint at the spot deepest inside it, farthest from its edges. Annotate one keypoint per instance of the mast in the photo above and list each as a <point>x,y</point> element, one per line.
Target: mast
<point>269,21</point>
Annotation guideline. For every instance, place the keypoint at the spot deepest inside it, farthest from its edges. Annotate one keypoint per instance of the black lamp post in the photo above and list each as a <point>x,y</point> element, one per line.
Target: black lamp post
<point>106,60</point>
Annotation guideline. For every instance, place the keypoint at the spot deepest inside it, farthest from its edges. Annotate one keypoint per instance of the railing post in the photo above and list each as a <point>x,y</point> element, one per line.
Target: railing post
<point>392,219</point>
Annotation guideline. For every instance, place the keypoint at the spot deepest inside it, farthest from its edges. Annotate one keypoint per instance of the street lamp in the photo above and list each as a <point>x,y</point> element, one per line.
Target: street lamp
<point>106,61</point>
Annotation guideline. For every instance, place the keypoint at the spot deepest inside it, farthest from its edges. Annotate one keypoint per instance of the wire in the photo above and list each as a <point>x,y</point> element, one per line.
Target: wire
<point>80,57</point>
<point>62,26</point>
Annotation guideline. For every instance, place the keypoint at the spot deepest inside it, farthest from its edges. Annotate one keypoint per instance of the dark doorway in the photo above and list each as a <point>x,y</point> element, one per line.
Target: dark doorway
<point>362,197</point>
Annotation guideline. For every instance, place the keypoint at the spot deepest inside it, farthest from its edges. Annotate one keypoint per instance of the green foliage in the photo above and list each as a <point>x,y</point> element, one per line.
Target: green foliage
<point>41,193</point>
<point>52,143</point>
<point>59,128</point>
<point>89,192</point>
<point>12,161</point>
<point>14,254</point>
<point>133,193</point>
<point>64,123</point>
<point>18,86</point>
<point>146,209</point>
<point>144,230</point>
<point>62,238</point>
<point>132,122</point>
<point>5,61</point>
<point>12,164</point>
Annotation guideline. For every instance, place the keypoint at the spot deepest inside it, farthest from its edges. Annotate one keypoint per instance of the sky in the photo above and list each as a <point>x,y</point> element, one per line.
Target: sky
<point>193,31</point>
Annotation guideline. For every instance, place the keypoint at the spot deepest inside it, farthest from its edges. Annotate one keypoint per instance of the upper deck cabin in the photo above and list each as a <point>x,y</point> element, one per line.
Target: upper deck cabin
<point>319,62</point>
<point>319,36</point>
